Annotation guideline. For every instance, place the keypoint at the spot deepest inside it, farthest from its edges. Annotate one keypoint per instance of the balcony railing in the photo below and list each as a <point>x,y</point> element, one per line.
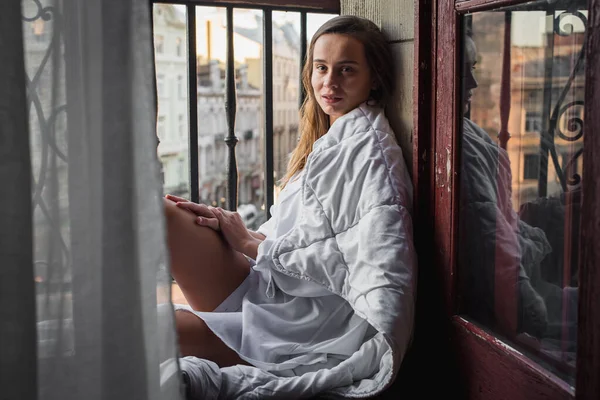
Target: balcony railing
<point>230,91</point>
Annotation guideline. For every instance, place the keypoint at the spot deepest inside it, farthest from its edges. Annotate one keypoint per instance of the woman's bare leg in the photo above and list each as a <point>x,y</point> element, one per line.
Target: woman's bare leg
<point>206,269</point>
<point>196,339</point>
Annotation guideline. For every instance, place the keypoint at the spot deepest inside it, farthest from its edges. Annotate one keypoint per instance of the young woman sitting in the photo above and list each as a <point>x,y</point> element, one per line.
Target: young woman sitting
<point>321,297</point>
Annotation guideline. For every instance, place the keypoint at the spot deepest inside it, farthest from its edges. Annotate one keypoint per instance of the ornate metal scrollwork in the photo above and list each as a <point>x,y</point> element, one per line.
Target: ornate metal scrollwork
<point>45,107</point>
<point>574,124</point>
<point>565,29</point>
<point>44,13</point>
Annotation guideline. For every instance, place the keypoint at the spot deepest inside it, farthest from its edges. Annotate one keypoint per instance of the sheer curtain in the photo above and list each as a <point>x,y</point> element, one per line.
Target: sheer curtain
<point>85,308</point>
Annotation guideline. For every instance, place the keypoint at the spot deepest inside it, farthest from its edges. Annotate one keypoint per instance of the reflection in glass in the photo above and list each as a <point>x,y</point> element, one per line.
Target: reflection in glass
<point>521,145</point>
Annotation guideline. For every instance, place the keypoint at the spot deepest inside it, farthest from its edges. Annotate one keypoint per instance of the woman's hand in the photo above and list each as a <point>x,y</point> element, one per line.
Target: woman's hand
<point>205,216</point>
<point>229,223</point>
<point>235,232</point>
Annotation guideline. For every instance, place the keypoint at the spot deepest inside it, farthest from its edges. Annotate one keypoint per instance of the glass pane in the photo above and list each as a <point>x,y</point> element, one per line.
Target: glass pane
<point>522,100</point>
<point>211,34</point>
<point>286,90</point>
<point>211,56</point>
<point>171,50</point>
<point>249,125</point>
<point>172,85</point>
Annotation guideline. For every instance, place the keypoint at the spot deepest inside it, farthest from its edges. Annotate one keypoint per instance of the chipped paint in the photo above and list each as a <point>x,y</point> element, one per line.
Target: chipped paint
<point>438,170</point>
<point>448,168</point>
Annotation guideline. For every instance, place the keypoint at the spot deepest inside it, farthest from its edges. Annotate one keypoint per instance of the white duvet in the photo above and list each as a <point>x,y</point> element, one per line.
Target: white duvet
<point>348,265</point>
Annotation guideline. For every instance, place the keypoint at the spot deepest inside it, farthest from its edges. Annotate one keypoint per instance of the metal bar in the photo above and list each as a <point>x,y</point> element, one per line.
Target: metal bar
<point>570,259</point>
<point>302,54</point>
<point>504,135</point>
<point>268,107</point>
<point>193,102</point>
<point>319,6</point>
<point>506,269</point>
<point>230,109</point>
<point>547,136</point>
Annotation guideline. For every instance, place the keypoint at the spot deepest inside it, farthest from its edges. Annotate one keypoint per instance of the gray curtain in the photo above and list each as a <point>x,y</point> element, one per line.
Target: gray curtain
<point>85,309</point>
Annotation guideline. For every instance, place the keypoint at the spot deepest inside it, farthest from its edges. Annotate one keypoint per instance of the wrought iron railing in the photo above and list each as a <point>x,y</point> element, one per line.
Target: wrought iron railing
<point>54,265</point>
<point>230,93</point>
<point>551,115</point>
<point>575,124</point>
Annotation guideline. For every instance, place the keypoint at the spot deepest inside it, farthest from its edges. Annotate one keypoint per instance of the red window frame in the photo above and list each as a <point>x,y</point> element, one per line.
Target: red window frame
<point>477,365</point>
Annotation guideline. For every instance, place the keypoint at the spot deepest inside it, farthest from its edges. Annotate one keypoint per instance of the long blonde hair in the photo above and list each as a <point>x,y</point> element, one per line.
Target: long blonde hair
<point>314,123</point>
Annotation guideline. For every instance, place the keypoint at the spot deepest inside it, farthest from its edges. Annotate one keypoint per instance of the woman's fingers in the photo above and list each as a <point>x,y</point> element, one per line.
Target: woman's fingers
<point>218,212</point>
<point>212,223</point>
<point>175,198</point>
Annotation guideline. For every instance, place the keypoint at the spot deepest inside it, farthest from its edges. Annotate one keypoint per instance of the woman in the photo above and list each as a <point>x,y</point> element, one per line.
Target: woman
<point>497,249</point>
<point>328,303</point>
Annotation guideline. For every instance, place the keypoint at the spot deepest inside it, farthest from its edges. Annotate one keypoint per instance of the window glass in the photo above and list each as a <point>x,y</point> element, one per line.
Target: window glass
<point>172,86</point>
<point>520,178</point>
<point>170,33</point>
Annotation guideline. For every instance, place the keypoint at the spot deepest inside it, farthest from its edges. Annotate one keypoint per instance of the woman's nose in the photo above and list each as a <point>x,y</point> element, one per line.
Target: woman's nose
<point>471,81</point>
<point>330,80</point>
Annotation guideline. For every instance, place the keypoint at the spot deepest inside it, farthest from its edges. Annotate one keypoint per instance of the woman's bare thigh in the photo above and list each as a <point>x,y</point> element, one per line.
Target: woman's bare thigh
<point>206,269</point>
<point>196,339</point>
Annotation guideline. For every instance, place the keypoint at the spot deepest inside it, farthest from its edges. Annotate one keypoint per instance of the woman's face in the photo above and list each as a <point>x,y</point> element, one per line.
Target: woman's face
<point>341,77</point>
<point>469,81</point>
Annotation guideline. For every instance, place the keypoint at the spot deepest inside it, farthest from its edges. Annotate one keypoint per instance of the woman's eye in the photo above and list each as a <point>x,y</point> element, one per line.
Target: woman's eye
<point>320,68</point>
<point>347,69</point>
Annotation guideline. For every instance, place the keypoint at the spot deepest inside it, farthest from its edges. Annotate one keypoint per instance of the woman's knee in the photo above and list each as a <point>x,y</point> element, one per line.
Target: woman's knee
<point>172,211</point>
<point>182,222</point>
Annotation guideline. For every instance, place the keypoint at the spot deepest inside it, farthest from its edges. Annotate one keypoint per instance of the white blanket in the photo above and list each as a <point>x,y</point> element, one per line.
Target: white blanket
<point>353,239</point>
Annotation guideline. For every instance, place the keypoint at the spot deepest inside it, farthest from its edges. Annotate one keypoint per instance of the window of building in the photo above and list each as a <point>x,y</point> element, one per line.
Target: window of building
<point>533,121</point>
<point>160,85</point>
<point>161,127</point>
<point>181,127</point>
<point>182,171</point>
<point>531,166</point>
<point>159,44</point>
<point>180,88</point>
<point>178,47</point>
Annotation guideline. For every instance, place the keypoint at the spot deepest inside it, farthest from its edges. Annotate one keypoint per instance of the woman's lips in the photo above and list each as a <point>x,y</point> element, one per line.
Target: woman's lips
<point>331,99</point>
